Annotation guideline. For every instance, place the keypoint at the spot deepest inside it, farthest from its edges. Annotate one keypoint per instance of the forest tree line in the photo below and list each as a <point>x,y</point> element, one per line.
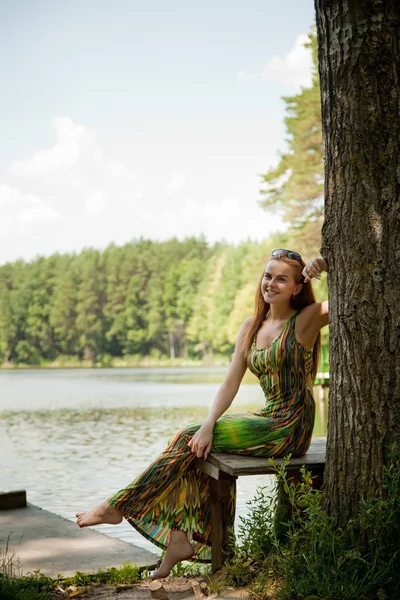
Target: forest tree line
<point>158,299</point>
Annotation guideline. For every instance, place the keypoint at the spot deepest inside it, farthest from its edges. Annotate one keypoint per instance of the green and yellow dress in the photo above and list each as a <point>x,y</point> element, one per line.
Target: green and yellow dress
<point>171,494</point>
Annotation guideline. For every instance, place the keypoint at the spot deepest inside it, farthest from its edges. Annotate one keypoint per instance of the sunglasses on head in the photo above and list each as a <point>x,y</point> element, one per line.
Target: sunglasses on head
<point>288,253</point>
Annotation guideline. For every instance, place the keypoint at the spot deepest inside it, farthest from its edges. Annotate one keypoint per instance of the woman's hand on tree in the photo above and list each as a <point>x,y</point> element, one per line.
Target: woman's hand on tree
<point>314,268</point>
<point>201,442</point>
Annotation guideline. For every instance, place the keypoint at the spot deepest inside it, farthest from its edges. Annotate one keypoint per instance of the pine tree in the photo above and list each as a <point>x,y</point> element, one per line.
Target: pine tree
<point>295,186</point>
<point>63,310</point>
<point>7,328</point>
<point>90,305</point>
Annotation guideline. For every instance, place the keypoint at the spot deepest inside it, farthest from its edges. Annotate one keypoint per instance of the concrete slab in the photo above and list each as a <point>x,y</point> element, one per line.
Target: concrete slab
<point>56,546</point>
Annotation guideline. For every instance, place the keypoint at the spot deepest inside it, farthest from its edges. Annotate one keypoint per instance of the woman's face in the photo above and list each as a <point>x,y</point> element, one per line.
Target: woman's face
<point>278,284</point>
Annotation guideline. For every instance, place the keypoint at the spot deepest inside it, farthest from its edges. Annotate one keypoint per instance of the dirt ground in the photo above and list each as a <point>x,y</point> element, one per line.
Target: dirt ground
<point>176,588</point>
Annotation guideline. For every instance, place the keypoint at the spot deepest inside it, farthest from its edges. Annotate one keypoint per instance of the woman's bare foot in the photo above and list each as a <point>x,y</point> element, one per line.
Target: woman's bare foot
<point>104,513</point>
<point>179,548</point>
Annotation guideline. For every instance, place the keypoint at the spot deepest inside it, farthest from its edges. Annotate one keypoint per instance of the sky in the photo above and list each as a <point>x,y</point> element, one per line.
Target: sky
<point>129,118</point>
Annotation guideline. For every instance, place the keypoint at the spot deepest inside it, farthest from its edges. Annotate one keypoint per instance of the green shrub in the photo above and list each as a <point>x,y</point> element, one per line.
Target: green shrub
<point>27,354</point>
<point>13,586</point>
<point>255,539</point>
<point>310,556</point>
<point>191,569</point>
<point>35,587</point>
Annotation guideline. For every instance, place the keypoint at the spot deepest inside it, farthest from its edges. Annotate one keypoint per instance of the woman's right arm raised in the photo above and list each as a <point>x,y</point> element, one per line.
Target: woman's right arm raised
<point>201,442</point>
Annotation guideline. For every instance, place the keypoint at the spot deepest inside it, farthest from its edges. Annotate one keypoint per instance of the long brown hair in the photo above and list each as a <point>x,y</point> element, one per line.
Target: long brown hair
<point>304,298</point>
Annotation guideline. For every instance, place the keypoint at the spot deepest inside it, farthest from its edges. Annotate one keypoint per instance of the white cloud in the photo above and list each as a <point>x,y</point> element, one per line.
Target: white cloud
<point>75,158</point>
<point>176,183</point>
<point>62,189</point>
<point>95,204</point>
<point>215,180</point>
<point>139,194</point>
<point>231,219</point>
<point>5,226</point>
<point>62,155</point>
<point>75,174</point>
<point>295,68</point>
<point>22,211</point>
<point>37,214</point>
<point>99,200</point>
<point>11,196</point>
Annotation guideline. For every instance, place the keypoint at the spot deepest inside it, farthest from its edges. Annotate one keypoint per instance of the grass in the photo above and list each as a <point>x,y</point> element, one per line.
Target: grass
<point>126,574</point>
<point>14,586</point>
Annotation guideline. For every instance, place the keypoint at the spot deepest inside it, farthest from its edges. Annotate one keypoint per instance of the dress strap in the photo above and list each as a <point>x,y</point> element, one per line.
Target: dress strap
<point>286,326</point>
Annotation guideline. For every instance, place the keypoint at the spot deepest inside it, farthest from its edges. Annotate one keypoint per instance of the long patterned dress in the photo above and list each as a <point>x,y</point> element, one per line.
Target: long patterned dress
<point>170,494</point>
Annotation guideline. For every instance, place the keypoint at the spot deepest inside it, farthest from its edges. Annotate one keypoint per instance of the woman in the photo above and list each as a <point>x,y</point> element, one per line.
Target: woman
<point>168,503</point>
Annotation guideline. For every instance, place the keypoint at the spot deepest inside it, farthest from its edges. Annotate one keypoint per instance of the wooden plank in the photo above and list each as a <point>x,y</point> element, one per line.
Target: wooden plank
<point>236,465</point>
<point>260,466</point>
<point>14,499</point>
<point>206,467</point>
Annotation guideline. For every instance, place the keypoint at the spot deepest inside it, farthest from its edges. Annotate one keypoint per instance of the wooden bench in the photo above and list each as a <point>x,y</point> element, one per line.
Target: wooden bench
<point>224,469</point>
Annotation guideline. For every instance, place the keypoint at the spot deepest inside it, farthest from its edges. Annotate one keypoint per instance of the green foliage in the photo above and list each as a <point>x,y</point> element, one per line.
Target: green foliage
<point>167,300</point>
<point>34,586</point>
<point>295,186</point>
<point>63,312</point>
<point>255,540</point>
<point>309,556</point>
<point>126,574</point>
<point>191,569</point>
<point>90,303</point>
<point>26,353</point>
<point>7,329</point>
<point>203,326</point>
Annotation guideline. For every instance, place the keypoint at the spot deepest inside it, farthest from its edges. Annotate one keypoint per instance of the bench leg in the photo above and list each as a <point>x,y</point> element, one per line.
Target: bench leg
<point>222,497</point>
<point>319,479</point>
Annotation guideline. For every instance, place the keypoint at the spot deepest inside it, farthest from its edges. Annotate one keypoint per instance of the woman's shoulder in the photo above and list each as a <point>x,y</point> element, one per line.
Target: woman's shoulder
<point>245,327</point>
<point>248,322</point>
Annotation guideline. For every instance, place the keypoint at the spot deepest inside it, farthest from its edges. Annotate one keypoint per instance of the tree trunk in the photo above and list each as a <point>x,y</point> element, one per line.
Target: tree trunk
<point>359,65</point>
<point>171,345</point>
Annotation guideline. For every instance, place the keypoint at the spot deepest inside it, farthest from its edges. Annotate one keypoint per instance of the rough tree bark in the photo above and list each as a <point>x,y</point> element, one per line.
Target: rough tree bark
<point>359,63</point>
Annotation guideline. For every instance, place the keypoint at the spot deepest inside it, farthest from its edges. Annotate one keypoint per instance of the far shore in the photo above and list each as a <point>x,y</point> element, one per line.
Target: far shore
<point>120,363</point>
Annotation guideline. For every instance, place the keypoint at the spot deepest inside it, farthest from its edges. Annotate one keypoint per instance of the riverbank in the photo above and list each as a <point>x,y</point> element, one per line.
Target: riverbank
<point>128,362</point>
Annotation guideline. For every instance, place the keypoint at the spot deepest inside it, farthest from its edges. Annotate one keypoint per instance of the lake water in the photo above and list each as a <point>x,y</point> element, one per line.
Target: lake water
<point>71,438</point>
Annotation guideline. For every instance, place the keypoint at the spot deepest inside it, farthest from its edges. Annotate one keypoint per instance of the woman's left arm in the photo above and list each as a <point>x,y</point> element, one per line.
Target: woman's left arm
<point>314,268</point>
<point>315,316</point>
